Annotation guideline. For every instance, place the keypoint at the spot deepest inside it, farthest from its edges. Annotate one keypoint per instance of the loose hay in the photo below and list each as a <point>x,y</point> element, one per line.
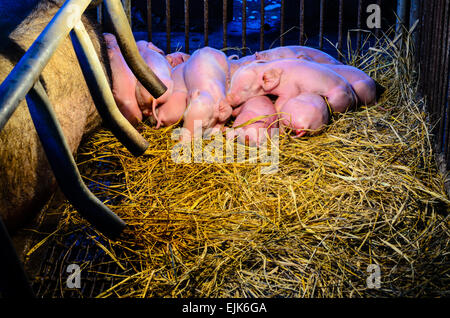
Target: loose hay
<point>365,191</point>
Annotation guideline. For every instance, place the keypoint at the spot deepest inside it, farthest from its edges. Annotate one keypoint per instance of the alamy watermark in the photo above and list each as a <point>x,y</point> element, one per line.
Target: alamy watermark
<point>211,147</point>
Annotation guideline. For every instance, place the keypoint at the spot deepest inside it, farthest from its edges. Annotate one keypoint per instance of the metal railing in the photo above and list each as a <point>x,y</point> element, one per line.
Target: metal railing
<point>434,60</point>
<point>324,7</point>
<point>433,41</point>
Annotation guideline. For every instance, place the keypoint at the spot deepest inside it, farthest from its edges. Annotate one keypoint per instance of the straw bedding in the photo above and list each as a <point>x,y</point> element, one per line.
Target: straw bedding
<point>365,191</point>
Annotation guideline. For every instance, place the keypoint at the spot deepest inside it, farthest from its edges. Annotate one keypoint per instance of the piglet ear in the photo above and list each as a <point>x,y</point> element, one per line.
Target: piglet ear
<point>303,56</point>
<point>271,79</point>
<point>225,110</point>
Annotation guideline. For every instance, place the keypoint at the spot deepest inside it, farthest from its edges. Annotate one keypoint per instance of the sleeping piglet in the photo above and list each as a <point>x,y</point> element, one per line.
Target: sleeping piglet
<point>363,85</point>
<point>123,82</point>
<point>287,78</point>
<point>205,76</point>
<point>254,133</point>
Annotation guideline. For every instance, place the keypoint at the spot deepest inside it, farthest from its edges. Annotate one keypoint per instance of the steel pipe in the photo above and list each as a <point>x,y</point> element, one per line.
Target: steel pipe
<point>244,27</point>
<point>282,22</point>
<point>129,49</point>
<point>340,27</point>
<point>224,23</point>
<point>101,93</point>
<point>25,73</point>
<point>64,168</point>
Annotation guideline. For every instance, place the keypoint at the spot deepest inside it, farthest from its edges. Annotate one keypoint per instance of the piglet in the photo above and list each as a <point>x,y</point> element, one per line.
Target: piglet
<point>177,58</point>
<point>287,78</point>
<point>205,76</point>
<point>173,109</point>
<point>123,82</point>
<point>159,65</point>
<point>304,114</point>
<point>254,133</point>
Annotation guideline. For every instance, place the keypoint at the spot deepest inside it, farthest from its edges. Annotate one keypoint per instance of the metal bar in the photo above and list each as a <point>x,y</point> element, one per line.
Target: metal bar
<point>322,13</point>
<point>427,67</point>
<point>64,166</point>
<point>13,279</point>
<point>168,50</point>
<point>129,50</point>
<point>205,21</point>
<point>433,62</point>
<point>102,95</point>
<point>261,25</point>
<point>149,20</point>
<point>413,16</point>
<point>244,27</point>
<point>302,22</point>
<point>224,23</point>
<point>419,51</point>
<point>25,73</point>
<point>186,26</point>
<point>340,26</point>
<point>95,3</point>
<point>358,33</point>
<point>282,22</point>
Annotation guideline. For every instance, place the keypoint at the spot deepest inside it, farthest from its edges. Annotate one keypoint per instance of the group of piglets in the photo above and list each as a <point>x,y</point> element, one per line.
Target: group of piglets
<point>293,88</point>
